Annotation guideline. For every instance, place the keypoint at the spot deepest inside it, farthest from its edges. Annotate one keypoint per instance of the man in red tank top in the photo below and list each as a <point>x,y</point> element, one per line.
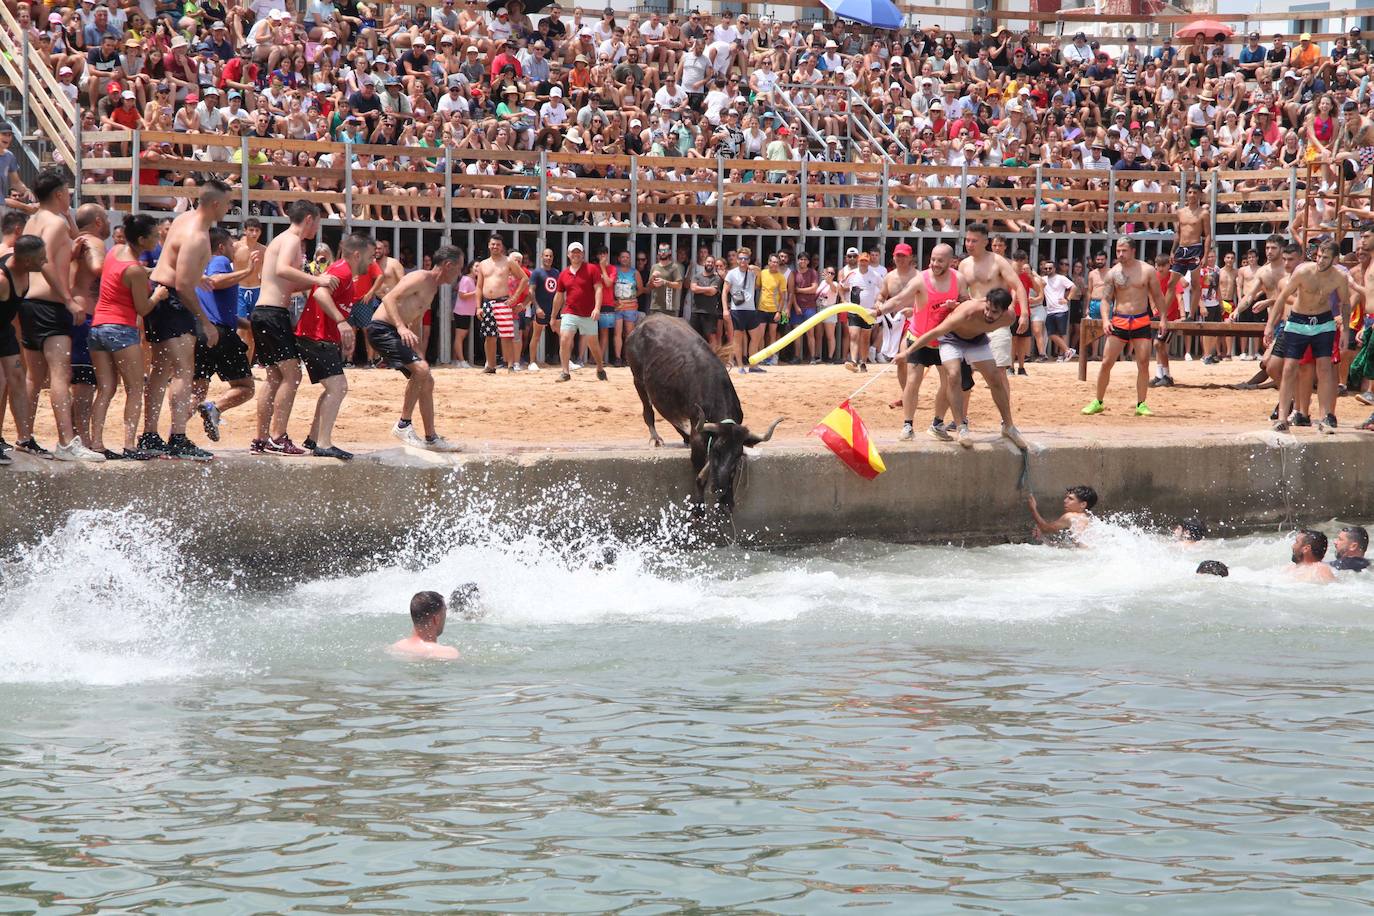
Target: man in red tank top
<point>931,295</point>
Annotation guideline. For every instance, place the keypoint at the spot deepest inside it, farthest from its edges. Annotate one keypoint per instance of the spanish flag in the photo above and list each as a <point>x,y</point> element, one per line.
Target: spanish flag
<point>845,435</point>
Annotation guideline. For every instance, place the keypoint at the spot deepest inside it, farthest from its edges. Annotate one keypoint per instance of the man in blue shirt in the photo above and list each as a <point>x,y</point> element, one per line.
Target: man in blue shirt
<point>1251,56</point>
<point>229,357</point>
<point>544,283</point>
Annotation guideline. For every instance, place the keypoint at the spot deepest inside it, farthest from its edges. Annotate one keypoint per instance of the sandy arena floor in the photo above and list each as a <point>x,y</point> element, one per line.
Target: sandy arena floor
<point>524,411</point>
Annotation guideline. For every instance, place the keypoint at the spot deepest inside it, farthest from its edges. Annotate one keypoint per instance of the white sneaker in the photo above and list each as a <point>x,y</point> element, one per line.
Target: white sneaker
<point>464,364</point>
<point>440,444</point>
<point>408,435</point>
<point>76,451</point>
<point>1011,432</point>
<point>1188,357</point>
<point>573,365</point>
<point>1366,397</point>
<point>965,439</point>
<point>1070,353</point>
<point>532,367</point>
<point>908,433</point>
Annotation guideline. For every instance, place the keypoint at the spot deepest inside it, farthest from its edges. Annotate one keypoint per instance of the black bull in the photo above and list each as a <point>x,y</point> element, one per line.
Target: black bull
<point>679,375</point>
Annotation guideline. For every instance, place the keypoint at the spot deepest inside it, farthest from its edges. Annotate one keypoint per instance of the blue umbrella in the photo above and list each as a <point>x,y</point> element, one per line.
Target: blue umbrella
<point>881,13</point>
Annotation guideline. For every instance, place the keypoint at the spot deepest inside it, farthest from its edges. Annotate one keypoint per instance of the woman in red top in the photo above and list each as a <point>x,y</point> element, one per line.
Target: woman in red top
<point>124,298</point>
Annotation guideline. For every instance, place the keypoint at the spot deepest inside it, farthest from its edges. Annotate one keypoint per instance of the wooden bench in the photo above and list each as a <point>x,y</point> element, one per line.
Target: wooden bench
<point>1090,329</point>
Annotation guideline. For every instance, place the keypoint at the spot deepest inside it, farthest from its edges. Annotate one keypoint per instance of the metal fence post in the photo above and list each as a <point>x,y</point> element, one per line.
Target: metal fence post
<point>634,195</point>
<point>543,203</point>
<point>77,153</point>
<point>348,188</point>
<point>244,176</point>
<point>1111,207</point>
<point>802,184</point>
<point>24,102</point>
<point>882,208</point>
<point>135,148</point>
<point>720,196</point>
<point>1038,200</point>
<point>448,196</point>
<point>963,198</point>
<point>1212,211</point>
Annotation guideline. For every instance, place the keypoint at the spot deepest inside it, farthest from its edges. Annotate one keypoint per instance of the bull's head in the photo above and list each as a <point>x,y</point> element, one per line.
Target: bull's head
<point>724,444</point>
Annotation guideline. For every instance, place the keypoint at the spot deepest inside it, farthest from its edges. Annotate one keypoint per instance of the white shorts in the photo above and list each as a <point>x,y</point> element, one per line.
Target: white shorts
<point>1000,343</point>
<point>1038,313</point>
<point>954,348</point>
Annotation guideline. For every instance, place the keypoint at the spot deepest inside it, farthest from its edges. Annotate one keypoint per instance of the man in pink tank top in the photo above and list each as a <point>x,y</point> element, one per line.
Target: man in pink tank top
<point>930,295</point>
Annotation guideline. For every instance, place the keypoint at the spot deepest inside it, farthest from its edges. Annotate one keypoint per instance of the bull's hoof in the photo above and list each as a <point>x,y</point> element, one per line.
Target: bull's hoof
<point>656,442</point>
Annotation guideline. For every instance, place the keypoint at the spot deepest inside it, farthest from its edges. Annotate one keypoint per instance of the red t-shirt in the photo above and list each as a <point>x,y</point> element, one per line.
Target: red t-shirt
<point>314,323</point>
<point>233,70</point>
<point>514,302</point>
<point>579,289</point>
<point>1174,311</point>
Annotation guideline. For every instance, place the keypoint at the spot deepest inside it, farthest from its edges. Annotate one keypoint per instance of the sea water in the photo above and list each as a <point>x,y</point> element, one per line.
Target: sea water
<point>653,728</point>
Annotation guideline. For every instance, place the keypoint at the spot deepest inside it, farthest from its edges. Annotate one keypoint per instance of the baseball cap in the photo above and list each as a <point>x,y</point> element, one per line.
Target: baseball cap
<point>54,17</point>
<point>850,251</point>
<point>126,94</point>
<point>902,249</point>
<point>576,246</point>
<point>211,90</point>
<point>1305,36</point>
<point>556,92</point>
<point>178,42</point>
<point>65,71</point>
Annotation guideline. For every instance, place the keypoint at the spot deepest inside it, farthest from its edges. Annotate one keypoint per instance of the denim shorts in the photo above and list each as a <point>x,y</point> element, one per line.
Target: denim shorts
<point>630,316</point>
<point>111,338</point>
<point>607,320</point>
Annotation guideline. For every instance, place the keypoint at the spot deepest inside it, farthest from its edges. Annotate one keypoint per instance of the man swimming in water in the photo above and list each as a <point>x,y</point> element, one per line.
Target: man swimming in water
<point>1309,549</point>
<point>1351,543</point>
<point>1078,502</point>
<point>466,602</point>
<point>427,616</point>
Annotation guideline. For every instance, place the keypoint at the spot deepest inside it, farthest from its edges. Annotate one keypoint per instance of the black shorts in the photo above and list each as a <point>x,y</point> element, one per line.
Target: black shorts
<point>1298,337</point>
<point>9,341</point>
<point>856,322</point>
<point>1186,258</point>
<point>228,358</point>
<point>168,320</point>
<point>389,346</point>
<point>274,336</point>
<point>548,314</point>
<point>1016,325</point>
<point>1252,316</point>
<point>323,359</point>
<point>83,375</point>
<point>765,319</point>
<point>1131,327</point>
<point>362,313</point>
<point>1212,313</point>
<point>462,322</point>
<point>744,319</point>
<point>705,323</point>
<point>924,356</point>
<point>40,319</point>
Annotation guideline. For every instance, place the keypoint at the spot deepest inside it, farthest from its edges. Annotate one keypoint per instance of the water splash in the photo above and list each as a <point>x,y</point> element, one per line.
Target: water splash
<point>99,601</point>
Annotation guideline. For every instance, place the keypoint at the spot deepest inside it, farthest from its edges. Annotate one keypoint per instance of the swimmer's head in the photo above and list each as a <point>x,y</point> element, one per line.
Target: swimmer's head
<point>1190,529</point>
<point>427,613</point>
<point>1080,498</point>
<point>1309,546</point>
<point>466,601</point>
<point>1213,568</point>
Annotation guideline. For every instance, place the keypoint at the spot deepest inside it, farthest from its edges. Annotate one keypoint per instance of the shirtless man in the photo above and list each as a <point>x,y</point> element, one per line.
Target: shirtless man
<point>428,613</point>
<point>1078,502</point>
<point>1310,325</point>
<point>1228,291</point>
<point>17,268</point>
<point>979,273</point>
<point>47,315</point>
<point>1192,241</point>
<point>896,279</point>
<point>1097,284</point>
<point>1308,551</point>
<point>392,333</point>
<point>248,254</point>
<point>1131,293</point>
<point>500,281</point>
<point>930,294</point>
<point>88,261</point>
<point>177,319</point>
<point>274,333</point>
<point>1258,296</point>
<point>11,227</point>
<point>964,335</point>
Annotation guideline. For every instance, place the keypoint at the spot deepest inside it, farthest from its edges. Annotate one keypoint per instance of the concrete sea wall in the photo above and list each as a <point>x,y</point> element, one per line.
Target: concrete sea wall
<point>260,511</point>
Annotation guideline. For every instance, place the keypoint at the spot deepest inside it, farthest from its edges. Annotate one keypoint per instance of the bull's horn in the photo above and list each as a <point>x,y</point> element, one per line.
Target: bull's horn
<point>755,440</point>
<point>703,475</point>
<point>712,429</point>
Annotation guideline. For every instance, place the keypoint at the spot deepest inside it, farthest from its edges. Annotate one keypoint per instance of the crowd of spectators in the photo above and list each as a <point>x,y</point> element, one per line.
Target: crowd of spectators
<point>695,85</point>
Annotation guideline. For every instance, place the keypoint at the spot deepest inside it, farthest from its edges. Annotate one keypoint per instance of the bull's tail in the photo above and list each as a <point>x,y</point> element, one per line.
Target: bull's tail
<point>724,353</point>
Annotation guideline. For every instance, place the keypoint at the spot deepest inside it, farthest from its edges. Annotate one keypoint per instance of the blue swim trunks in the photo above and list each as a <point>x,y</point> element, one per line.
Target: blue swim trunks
<point>248,300</point>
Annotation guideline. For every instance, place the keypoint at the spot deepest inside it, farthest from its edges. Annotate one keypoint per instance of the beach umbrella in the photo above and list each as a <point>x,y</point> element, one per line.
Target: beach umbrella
<point>880,13</point>
<point>1207,28</point>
